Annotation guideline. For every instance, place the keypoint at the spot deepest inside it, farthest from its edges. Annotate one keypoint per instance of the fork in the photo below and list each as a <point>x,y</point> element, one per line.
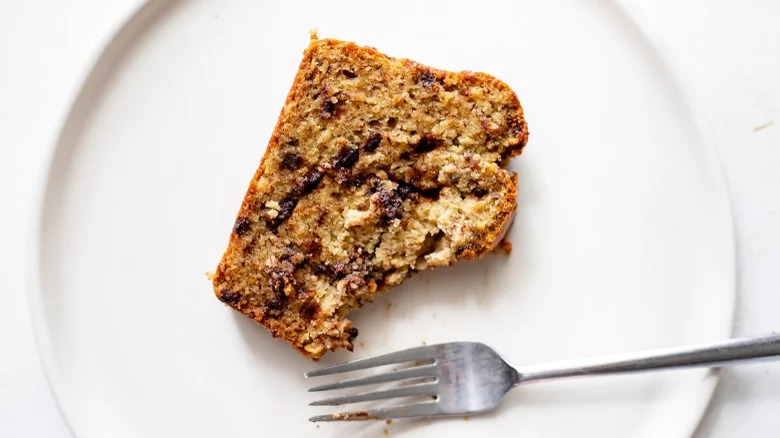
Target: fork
<point>467,378</point>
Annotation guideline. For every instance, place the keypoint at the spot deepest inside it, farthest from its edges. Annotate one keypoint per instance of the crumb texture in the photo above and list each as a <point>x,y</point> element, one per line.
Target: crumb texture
<point>378,168</point>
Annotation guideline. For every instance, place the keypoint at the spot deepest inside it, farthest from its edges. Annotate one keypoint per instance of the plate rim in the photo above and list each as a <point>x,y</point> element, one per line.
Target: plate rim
<point>127,30</point>
<point>641,16</point>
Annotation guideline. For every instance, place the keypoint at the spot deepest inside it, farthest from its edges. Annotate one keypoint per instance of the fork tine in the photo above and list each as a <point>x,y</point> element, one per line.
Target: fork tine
<point>427,409</point>
<point>408,355</point>
<point>405,391</point>
<point>408,373</point>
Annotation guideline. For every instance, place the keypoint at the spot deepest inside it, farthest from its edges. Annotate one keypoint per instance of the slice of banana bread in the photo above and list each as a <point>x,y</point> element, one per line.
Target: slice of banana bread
<point>378,168</point>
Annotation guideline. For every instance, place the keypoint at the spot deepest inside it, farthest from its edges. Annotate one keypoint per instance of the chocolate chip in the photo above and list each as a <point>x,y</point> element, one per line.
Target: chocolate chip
<point>351,179</point>
<point>346,158</point>
<point>356,181</point>
<point>515,126</point>
<point>353,333</point>
<point>431,193</point>
<point>389,206</point>
<point>275,303</point>
<point>286,278</point>
<point>280,275</point>
<point>320,268</point>
<point>307,183</point>
<point>309,309</point>
<point>286,208</point>
<point>349,74</point>
<point>276,282</point>
<point>229,296</point>
<point>291,161</point>
<point>463,248</point>
<point>479,192</point>
<point>427,79</point>
<point>241,226</point>
<point>332,105</point>
<point>410,191</point>
<point>392,122</point>
<point>312,245</point>
<point>250,247</point>
<point>405,190</point>
<point>427,143</point>
<point>328,109</point>
<point>373,143</point>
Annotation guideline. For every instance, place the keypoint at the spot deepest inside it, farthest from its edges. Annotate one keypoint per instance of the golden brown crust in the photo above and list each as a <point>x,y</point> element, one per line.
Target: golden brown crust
<point>377,168</point>
<point>507,209</point>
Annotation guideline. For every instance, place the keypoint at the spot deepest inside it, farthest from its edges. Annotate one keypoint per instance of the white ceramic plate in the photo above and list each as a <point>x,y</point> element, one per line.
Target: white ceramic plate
<point>623,238</point>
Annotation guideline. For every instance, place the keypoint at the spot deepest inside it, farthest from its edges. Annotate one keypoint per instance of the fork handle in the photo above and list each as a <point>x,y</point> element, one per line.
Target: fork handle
<point>728,352</point>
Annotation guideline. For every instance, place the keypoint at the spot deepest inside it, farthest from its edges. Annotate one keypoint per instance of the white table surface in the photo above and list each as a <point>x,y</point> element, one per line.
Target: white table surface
<point>731,50</point>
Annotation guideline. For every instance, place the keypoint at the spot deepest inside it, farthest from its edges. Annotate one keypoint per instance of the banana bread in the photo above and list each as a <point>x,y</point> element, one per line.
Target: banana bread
<point>378,168</point>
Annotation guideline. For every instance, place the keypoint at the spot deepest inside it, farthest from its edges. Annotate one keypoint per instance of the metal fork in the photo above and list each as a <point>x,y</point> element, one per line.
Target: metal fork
<point>466,378</point>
